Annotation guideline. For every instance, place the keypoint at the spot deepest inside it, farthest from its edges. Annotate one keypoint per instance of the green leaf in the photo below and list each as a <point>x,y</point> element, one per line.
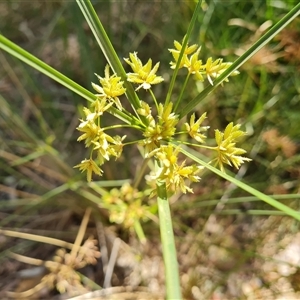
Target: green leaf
<point>287,210</point>
<point>39,65</point>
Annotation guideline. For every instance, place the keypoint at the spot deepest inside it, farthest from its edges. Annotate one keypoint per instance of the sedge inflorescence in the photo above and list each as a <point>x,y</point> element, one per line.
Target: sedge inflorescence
<point>126,205</point>
<point>158,123</point>
<point>212,69</point>
<point>63,268</point>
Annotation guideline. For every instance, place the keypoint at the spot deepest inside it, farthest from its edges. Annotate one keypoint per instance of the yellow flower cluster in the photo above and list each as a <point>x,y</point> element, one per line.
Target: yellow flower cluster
<point>227,152</point>
<point>172,173</point>
<point>93,135</point>
<point>143,75</point>
<point>111,87</point>
<point>194,128</point>
<point>211,69</point>
<point>158,132</point>
<point>125,205</point>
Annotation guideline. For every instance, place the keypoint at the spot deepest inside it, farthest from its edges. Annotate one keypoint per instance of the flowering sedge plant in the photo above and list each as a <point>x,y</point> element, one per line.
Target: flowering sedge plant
<point>158,124</point>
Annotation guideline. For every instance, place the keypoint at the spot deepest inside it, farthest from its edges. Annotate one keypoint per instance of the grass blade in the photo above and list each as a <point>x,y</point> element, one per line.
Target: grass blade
<point>107,48</point>
<point>39,65</point>
<point>44,68</point>
<point>247,188</point>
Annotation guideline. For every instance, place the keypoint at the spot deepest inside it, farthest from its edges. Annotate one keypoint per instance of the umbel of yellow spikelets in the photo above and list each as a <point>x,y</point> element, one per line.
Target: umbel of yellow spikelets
<point>211,69</point>
<point>227,152</point>
<point>142,75</point>
<point>160,129</point>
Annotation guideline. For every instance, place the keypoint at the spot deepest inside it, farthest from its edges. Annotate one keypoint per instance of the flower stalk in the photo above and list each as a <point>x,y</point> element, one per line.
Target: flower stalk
<point>168,243</point>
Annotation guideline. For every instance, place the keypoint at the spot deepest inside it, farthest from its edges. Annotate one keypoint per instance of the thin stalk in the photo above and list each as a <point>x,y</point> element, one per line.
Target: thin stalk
<point>107,48</point>
<point>17,83</point>
<point>168,243</point>
<point>139,175</point>
<point>121,126</point>
<point>181,92</point>
<point>139,231</point>
<point>81,233</point>
<point>250,212</point>
<point>154,99</point>
<point>187,36</point>
<point>267,37</point>
<point>36,238</point>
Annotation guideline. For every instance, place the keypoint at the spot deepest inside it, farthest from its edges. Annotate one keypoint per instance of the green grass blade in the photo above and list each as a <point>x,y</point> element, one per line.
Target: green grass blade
<point>213,202</point>
<point>107,48</point>
<point>39,65</point>
<point>27,158</point>
<point>13,120</point>
<point>19,86</point>
<point>247,188</point>
<point>267,37</point>
<point>250,212</point>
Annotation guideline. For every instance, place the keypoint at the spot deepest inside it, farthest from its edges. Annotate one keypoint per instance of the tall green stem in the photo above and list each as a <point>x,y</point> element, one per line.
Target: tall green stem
<point>168,243</point>
<point>182,91</point>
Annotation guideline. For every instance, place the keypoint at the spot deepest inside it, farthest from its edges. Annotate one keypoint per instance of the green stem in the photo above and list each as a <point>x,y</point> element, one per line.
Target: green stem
<point>184,44</point>
<point>267,37</point>
<point>122,126</point>
<point>198,145</point>
<point>181,92</point>
<point>139,231</point>
<point>154,99</point>
<point>133,142</point>
<point>205,203</point>
<point>140,173</point>
<point>42,67</point>
<point>168,243</point>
